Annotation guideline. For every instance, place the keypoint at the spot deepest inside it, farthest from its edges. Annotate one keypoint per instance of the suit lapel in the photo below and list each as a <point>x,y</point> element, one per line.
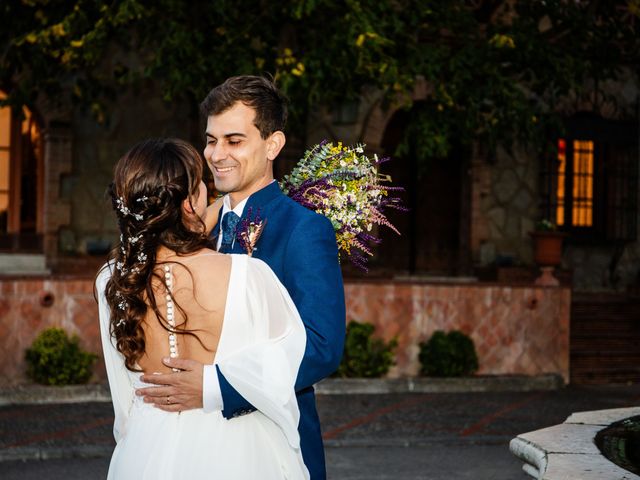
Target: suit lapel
<point>258,203</point>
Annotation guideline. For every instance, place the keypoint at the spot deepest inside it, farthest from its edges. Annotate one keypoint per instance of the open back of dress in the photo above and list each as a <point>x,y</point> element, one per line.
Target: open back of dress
<point>261,344</point>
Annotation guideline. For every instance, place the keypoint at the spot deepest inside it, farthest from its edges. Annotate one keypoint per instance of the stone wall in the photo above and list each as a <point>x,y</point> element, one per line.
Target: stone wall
<point>507,208</point>
<point>517,330</point>
<point>23,316</point>
<point>97,147</point>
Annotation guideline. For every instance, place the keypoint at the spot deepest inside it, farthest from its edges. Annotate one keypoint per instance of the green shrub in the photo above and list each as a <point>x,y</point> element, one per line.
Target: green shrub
<point>55,359</point>
<point>365,356</point>
<point>450,354</point>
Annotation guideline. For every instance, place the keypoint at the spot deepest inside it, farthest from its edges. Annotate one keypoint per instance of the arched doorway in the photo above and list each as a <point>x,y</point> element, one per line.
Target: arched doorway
<point>435,231</point>
<point>21,181</point>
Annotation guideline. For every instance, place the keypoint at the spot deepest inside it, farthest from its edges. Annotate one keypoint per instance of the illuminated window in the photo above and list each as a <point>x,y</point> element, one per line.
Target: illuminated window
<point>5,172</point>
<point>21,181</point>
<point>590,186</point>
<point>562,167</point>
<point>582,168</point>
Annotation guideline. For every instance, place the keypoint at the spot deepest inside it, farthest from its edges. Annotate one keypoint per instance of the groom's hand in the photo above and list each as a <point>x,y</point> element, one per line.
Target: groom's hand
<point>178,391</point>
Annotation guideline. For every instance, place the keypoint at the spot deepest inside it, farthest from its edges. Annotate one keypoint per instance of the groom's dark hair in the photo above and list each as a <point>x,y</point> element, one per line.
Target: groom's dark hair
<point>256,92</point>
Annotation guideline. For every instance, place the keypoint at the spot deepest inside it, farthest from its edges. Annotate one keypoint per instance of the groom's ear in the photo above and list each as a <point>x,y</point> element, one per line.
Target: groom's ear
<point>275,142</point>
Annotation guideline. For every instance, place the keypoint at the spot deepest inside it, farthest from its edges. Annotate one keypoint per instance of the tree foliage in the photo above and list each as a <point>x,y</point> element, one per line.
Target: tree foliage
<point>495,69</point>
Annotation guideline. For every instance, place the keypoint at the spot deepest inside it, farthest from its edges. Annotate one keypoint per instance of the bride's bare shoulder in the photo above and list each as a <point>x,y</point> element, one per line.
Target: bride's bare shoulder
<point>209,265</point>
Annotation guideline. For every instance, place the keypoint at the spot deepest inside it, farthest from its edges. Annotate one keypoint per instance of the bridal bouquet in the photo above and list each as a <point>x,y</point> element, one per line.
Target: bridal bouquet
<point>343,184</point>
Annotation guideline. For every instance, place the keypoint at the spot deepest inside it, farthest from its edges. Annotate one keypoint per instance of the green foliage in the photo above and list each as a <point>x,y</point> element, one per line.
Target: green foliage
<point>495,71</point>
<point>450,354</point>
<point>56,359</point>
<point>365,356</point>
<point>546,226</point>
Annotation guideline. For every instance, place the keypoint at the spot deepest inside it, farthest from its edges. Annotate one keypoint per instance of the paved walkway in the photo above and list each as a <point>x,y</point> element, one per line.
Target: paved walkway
<point>401,436</point>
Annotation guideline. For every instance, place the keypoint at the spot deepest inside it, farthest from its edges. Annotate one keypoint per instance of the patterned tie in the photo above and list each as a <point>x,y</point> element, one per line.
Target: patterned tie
<point>229,224</point>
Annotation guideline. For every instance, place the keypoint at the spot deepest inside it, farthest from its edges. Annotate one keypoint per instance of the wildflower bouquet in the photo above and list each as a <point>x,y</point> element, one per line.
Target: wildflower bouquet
<point>343,184</point>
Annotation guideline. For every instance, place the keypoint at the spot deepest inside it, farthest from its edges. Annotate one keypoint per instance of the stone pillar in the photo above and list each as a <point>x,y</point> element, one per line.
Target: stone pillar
<point>57,162</point>
<point>480,173</point>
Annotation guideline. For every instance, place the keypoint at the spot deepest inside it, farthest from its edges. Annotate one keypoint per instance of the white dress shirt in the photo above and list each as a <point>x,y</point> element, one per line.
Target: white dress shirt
<point>211,394</point>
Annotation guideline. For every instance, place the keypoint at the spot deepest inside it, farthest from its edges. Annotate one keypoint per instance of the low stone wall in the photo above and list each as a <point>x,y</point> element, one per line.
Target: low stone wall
<point>30,305</point>
<point>516,329</point>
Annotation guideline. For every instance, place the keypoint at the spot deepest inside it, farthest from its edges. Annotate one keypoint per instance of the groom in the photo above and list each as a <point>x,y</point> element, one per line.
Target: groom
<point>246,116</point>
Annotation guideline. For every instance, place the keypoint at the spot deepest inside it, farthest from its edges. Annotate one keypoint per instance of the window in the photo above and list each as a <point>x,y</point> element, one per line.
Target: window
<point>21,181</point>
<point>5,172</point>
<point>576,167</point>
<point>590,187</point>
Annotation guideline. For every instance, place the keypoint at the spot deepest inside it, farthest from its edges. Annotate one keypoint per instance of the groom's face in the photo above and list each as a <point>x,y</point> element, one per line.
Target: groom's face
<point>236,153</point>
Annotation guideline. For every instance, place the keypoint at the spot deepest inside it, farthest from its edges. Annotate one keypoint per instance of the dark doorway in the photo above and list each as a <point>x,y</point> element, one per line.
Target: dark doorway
<point>434,229</point>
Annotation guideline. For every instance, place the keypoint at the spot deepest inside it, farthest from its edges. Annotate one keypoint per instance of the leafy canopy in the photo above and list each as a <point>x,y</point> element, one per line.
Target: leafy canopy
<point>495,70</point>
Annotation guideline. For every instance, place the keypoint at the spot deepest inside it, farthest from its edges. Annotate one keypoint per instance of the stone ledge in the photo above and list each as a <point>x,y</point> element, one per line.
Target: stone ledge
<point>568,451</point>
<point>484,383</point>
<point>40,394</point>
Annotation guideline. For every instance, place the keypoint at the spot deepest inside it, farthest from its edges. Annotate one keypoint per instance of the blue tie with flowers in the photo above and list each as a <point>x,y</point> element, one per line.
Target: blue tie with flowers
<point>229,223</point>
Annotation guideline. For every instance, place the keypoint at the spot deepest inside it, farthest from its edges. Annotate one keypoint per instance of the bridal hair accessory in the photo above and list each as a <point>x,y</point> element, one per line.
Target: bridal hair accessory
<point>345,185</point>
<point>122,303</point>
<point>250,230</point>
<point>125,210</point>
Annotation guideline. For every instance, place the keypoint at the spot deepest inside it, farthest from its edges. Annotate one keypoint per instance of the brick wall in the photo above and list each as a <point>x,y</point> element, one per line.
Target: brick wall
<point>516,329</point>
<point>23,317</point>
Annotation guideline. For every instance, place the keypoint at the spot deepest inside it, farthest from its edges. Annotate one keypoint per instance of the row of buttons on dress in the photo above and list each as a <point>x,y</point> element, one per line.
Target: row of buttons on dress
<point>173,342</point>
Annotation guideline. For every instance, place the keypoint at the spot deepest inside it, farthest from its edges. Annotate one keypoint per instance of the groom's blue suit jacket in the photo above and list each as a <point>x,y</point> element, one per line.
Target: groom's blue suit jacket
<point>300,247</point>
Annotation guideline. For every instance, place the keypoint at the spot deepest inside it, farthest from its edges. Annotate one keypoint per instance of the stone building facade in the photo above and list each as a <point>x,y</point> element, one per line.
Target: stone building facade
<point>464,260</point>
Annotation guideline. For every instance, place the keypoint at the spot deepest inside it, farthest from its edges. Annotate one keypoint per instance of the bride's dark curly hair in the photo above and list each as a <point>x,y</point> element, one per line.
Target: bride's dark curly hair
<point>151,182</point>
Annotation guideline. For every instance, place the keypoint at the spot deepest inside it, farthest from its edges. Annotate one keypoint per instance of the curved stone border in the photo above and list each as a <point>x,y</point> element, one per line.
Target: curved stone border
<point>568,451</point>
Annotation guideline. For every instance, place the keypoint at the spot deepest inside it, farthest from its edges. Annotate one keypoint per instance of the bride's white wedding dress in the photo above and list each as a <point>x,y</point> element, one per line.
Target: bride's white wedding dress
<point>260,349</point>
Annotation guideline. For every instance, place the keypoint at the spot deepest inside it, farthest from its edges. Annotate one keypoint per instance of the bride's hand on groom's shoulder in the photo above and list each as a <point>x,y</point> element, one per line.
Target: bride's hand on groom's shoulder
<point>176,391</point>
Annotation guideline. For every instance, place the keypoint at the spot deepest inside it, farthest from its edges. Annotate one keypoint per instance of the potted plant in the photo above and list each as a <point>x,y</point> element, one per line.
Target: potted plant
<point>547,250</point>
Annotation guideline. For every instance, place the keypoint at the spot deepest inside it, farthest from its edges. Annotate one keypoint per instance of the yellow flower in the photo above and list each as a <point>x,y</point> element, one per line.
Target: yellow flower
<point>58,30</point>
<point>77,43</point>
<point>360,40</point>
<point>298,70</point>
<point>31,38</point>
<point>502,41</point>
<point>288,52</point>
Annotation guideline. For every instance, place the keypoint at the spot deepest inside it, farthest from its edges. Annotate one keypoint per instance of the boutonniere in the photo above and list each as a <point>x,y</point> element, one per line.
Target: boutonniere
<point>249,231</point>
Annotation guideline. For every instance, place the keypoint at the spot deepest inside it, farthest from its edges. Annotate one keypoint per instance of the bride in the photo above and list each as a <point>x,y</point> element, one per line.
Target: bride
<point>166,292</point>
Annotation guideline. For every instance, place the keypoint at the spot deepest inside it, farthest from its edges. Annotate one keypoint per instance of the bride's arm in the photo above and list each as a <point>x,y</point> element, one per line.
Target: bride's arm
<point>264,370</point>
<point>211,215</point>
<point>119,383</point>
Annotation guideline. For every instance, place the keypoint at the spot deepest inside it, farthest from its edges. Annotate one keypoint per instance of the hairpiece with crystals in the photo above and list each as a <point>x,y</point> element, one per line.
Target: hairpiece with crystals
<point>126,211</point>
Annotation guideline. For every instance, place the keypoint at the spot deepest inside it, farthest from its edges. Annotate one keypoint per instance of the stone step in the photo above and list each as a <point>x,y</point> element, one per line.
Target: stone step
<point>23,264</point>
